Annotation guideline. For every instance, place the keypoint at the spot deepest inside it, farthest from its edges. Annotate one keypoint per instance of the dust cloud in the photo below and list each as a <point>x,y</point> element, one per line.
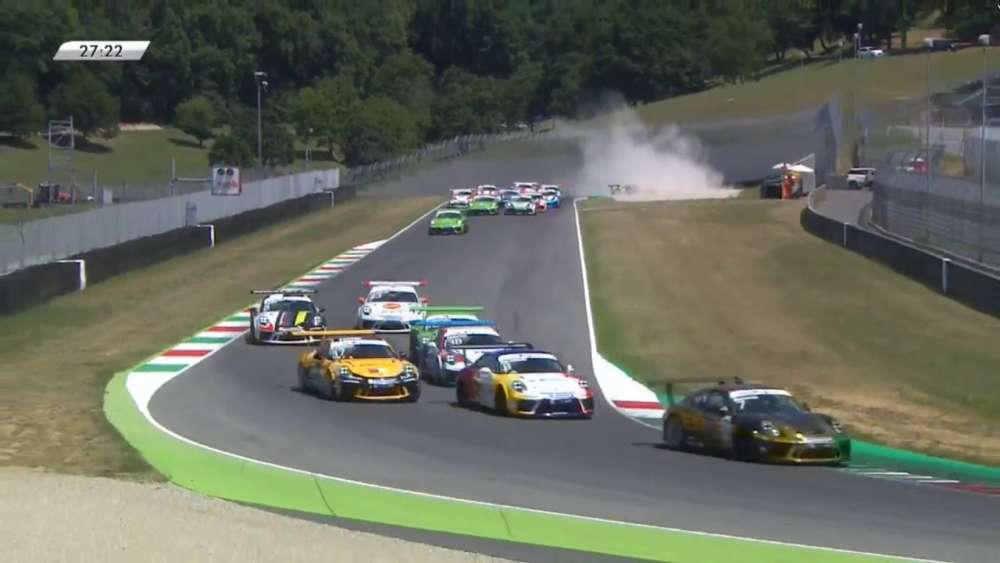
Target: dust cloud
<point>662,165</point>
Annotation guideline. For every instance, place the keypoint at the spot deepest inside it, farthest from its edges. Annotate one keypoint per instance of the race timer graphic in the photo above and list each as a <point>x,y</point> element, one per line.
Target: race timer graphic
<point>108,51</point>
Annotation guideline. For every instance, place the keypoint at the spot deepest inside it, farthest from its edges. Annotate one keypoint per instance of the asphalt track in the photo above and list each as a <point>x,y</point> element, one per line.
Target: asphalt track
<point>526,272</point>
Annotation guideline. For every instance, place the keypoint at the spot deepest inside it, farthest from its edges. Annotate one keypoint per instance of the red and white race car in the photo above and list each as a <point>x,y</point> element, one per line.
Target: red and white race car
<point>455,348</point>
<point>460,198</point>
<point>390,306</point>
<point>487,189</point>
<point>526,188</point>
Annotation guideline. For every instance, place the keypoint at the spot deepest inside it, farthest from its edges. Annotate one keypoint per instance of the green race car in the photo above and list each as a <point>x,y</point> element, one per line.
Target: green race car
<point>426,329</point>
<point>484,205</point>
<point>449,222</point>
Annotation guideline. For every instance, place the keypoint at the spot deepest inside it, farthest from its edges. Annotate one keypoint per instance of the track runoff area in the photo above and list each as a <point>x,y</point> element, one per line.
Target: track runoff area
<point>245,402</point>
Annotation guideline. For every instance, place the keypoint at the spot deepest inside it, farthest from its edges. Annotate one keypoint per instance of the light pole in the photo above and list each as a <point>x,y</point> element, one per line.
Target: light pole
<point>259,77</point>
<point>984,40</point>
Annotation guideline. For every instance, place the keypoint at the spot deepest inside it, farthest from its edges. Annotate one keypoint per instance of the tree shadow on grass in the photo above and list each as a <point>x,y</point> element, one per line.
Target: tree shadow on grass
<point>185,143</point>
<point>17,143</point>
<point>91,147</point>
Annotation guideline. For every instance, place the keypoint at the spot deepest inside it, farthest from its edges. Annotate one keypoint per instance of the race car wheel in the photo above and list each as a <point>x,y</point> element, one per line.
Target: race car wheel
<point>253,336</point>
<point>674,435</point>
<point>337,391</point>
<point>745,450</point>
<point>460,395</point>
<point>500,402</point>
<point>414,395</point>
<point>302,380</point>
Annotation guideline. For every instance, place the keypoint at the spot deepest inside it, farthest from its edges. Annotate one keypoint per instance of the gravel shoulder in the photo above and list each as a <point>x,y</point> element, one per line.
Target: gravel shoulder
<point>56,517</point>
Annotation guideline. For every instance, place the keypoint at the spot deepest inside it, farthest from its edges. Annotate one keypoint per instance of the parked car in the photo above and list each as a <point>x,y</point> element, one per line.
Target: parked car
<point>858,178</point>
<point>870,53</point>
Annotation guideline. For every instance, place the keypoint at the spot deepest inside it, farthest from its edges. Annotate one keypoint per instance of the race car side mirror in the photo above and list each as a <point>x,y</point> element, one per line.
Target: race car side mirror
<point>424,300</point>
<point>569,369</point>
<point>805,406</point>
<point>361,300</point>
<point>401,355</point>
<point>321,309</point>
<point>724,410</point>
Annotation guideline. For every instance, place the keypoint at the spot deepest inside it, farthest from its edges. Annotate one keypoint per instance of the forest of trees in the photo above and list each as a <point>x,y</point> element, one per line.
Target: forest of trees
<point>366,78</point>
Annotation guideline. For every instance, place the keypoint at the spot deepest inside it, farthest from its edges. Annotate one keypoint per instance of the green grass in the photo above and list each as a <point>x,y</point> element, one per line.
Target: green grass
<point>737,288</point>
<point>133,157</point>
<point>51,414</point>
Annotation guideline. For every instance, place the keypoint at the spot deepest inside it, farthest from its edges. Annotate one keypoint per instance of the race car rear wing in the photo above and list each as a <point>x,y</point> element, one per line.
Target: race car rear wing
<point>446,310</point>
<point>511,346</point>
<point>332,333</point>
<point>302,291</point>
<point>371,283</point>
<point>669,384</point>
<point>449,323</point>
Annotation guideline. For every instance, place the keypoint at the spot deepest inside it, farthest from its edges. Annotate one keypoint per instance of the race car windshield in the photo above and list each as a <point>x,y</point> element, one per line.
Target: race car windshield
<point>766,404</point>
<point>522,199</point>
<point>394,296</point>
<point>368,352</point>
<point>485,199</point>
<point>449,215</point>
<point>290,306</point>
<point>551,192</point>
<point>535,365</point>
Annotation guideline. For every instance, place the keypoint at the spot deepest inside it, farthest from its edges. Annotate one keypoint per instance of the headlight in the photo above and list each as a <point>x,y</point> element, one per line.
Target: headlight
<point>836,426</point>
<point>344,371</point>
<point>769,428</point>
<point>366,310</point>
<point>583,383</point>
<point>408,368</point>
<point>519,386</point>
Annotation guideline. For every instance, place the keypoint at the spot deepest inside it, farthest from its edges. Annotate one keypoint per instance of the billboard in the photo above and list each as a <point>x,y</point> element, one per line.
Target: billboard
<point>226,180</point>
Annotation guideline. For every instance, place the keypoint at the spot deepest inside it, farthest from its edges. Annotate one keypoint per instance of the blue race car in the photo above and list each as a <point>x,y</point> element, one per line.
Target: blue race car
<point>552,195</point>
<point>449,345</point>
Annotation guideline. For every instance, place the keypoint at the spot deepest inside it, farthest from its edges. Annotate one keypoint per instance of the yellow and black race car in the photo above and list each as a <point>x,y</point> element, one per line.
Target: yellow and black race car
<point>753,423</point>
<point>346,365</point>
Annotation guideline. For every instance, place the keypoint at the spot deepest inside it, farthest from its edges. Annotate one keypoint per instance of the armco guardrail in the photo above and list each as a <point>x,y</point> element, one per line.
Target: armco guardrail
<point>973,287</point>
<point>36,242</point>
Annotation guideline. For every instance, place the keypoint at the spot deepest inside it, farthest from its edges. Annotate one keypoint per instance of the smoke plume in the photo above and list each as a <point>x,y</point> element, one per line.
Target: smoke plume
<point>662,165</point>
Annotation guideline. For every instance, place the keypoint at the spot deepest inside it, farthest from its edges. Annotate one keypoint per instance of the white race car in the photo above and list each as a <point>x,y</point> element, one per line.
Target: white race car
<point>487,189</point>
<point>390,306</point>
<point>282,314</point>
<point>455,348</point>
<point>526,188</point>
<point>460,198</point>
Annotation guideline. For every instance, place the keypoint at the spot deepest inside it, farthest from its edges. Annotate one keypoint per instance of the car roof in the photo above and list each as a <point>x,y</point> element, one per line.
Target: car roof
<point>348,342</point>
<point>286,297</point>
<point>477,329</point>
<point>727,387</point>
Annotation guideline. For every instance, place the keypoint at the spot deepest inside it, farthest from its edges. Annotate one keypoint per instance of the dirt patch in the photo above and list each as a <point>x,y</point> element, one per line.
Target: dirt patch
<point>58,357</point>
<point>139,127</point>
<point>737,288</point>
<point>50,517</point>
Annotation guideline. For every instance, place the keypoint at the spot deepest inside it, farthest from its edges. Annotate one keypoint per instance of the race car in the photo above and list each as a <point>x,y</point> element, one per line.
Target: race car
<point>389,306</point>
<point>522,382</point>
<point>525,187</point>
<point>460,198</point>
<point>458,344</point>
<point>484,205</point>
<point>753,423</point>
<point>520,205</point>
<point>281,313</point>
<point>448,222</point>
<point>627,189</point>
<point>552,195</point>
<point>351,364</point>
<point>539,201</point>
<point>506,195</point>
<point>487,189</point>
<point>426,329</point>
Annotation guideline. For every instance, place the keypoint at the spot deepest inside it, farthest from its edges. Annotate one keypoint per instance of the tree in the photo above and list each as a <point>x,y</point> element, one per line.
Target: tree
<point>230,148</point>
<point>197,117</point>
<point>324,108</point>
<point>406,78</point>
<point>740,40</point>
<point>379,128</point>
<point>86,99</point>
<point>20,114</point>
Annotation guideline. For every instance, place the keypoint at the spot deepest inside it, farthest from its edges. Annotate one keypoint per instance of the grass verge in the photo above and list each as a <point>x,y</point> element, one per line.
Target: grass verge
<point>737,288</point>
<point>57,358</point>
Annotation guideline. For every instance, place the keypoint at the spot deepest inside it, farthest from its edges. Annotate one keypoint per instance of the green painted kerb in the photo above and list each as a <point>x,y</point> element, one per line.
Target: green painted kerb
<point>230,478</point>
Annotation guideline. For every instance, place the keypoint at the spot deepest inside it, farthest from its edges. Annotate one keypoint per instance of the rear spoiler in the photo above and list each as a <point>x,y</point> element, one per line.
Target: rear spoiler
<point>669,384</point>
<point>446,310</point>
<point>371,283</point>
<point>512,346</point>
<point>302,291</point>
<point>449,323</point>
<point>332,333</point>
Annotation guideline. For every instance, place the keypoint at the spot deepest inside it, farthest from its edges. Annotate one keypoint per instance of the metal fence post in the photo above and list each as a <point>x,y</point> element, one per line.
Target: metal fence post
<point>944,274</point>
